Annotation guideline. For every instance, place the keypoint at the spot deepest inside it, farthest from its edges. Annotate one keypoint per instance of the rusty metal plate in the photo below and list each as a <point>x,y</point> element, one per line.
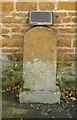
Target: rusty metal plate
<point>41,18</point>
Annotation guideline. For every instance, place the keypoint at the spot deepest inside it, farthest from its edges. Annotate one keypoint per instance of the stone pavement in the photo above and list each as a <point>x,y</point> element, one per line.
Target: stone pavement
<point>12,109</point>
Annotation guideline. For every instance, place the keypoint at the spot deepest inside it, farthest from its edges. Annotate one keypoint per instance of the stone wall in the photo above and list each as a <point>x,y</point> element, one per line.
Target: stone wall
<point>14,24</point>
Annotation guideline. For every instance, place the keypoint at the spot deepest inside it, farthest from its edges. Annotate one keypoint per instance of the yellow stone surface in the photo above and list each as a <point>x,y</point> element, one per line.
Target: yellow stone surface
<point>39,59</point>
<point>40,43</point>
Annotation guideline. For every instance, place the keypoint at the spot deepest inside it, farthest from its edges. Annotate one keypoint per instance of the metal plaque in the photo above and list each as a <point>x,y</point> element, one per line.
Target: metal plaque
<point>41,18</point>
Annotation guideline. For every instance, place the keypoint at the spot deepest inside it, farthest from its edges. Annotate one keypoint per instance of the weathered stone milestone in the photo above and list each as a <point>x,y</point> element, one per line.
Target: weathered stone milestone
<point>39,66</point>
